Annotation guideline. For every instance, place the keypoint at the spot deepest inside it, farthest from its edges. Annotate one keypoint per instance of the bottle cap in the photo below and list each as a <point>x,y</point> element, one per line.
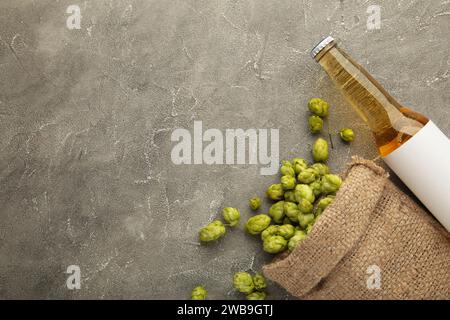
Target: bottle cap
<point>322,44</point>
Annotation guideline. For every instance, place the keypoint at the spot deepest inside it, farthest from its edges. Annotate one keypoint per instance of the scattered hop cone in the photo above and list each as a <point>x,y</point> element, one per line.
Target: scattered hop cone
<point>299,164</point>
<point>308,175</point>
<point>257,224</point>
<point>347,134</point>
<point>309,227</point>
<point>212,231</point>
<point>315,124</point>
<point>243,282</point>
<point>322,204</point>
<point>231,215</point>
<point>304,191</point>
<point>320,150</point>
<point>288,182</point>
<point>275,192</point>
<point>286,163</point>
<point>289,195</point>
<point>257,295</point>
<point>255,203</point>
<point>199,293</point>
<point>291,211</point>
<point>274,244</point>
<point>270,231</point>
<point>287,170</point>
<point>304,206</point>
<point>259,281</point>
<point>319,107</point>
<point>316,187</point>
<point>305,219</point>
<point>286,231</point>
<point>298,237</point>
<point>331,183</point>
<point>276,212</point>
<point>321,168</point>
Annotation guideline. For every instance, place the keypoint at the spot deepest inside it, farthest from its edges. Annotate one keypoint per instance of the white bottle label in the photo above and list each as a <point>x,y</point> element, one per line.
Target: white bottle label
<point>423,164</point>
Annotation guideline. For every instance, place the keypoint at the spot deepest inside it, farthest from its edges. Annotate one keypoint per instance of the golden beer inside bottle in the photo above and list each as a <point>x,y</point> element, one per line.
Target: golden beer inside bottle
<point>391,123</point>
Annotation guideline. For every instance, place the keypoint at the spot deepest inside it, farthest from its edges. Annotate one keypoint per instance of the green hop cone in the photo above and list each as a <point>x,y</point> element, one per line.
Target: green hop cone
<point>257,224</point>
<point>322,204</point>
<point>291,211</point>
<point>286,231</point>
<point>320,150</point>
<point>243,282</point>
<point>259,282</point>
<point>347,134</point>
<point>315,124</point>
<point>316,187</point>
<point>254,203</point>
<point>304,191</point>
<point>299,164</point>
<point>331,183</point>
<point>286,163</point>
<point>309,227</point>
<point>276,212</point>
<point>321,168</point>
<point>319,107</point>
<point>307,175</point>
<point>275,192</point>
<point>231,216</point>
<point>304,206</point>
<point>270,231</point>
<point>305,219</point>
<point>274,244</point>
<point>288,182</point>
<point>199,293</point>
<point>212,231</point>
<point>289,195</point>
<point>298,237</point>
<point>257,295</point>
<point>287,170</point>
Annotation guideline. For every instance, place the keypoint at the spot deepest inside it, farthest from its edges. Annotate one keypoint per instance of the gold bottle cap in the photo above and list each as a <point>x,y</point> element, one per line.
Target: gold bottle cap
<point>322,44</point>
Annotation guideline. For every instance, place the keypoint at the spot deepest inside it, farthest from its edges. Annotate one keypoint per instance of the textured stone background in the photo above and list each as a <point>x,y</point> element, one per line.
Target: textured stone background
<point>86,117</point>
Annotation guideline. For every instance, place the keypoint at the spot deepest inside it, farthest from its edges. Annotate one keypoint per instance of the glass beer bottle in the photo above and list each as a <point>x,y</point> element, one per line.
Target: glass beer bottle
<point>411,144</point>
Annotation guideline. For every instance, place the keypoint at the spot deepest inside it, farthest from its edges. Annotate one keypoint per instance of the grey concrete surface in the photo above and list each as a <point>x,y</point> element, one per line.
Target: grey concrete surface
<point>86,117</point>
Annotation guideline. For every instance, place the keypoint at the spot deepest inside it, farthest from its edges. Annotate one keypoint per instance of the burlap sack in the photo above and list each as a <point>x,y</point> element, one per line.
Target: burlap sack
<point>370,223</point>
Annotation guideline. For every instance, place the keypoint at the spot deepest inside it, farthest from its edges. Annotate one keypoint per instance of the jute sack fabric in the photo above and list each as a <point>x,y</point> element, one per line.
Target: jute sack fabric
<point>372,242</point>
